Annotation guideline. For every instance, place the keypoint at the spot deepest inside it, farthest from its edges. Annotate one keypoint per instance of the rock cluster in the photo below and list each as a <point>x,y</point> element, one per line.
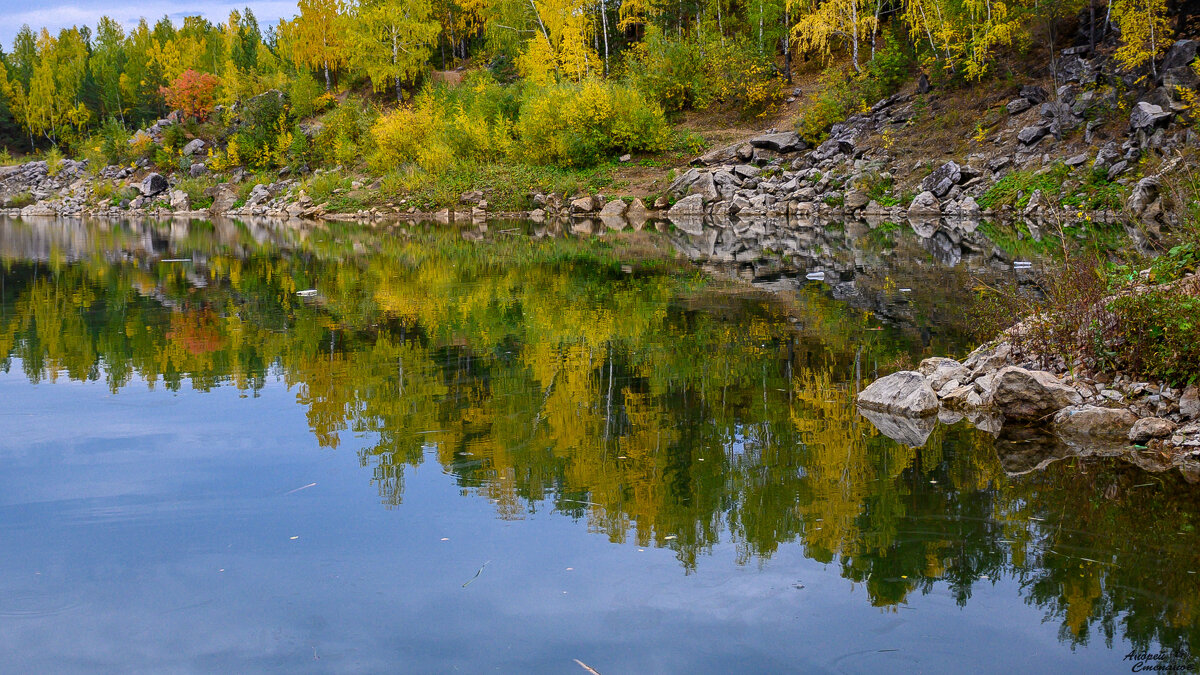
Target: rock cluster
<point>994,387</point>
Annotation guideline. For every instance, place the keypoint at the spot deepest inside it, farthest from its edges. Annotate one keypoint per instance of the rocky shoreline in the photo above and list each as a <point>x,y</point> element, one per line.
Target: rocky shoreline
<point>1002,390</point>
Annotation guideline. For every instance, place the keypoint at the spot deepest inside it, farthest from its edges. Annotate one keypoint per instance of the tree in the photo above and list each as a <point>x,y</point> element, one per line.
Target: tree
<point>317,38</point>
<point>107,64</point>
<point>392,40</point>
<point>1145,32</point>
<point>192,93</point>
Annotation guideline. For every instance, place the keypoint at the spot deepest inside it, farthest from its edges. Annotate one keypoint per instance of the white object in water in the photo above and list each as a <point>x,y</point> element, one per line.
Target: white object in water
<point>815,276</point>
<point>308,293</point>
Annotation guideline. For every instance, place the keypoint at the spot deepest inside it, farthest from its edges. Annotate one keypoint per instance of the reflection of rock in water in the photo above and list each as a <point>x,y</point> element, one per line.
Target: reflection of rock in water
<point>76,238</point>
<point>1025,449</point>
<point>911,431</point>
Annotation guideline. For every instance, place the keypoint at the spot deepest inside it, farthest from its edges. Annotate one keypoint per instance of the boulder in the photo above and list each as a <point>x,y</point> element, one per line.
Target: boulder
<point>691,205</point>
<point>1032,134</point>
<point>682,182</point>
<point>1034,93</point>
<point>197,169</point>
<point>1095,422</point>
<point>904,393</point>
<point>706,187</point>
<point>1029,395</point>
<point>925,204</point>
<point>1189,403</point>
<point>1018,106</point>
<point>614,209</point>
<point>788,141</point>
<point>223,197</point>
<point>180,201</point>
<point>583,205</point>
<point>636,211</point>
<point>1143,195</point>
<point>942,179</point>
<point>1147,115</point>
<point>1151,427</point>
<point>963,397</point>
<point>153,184</point>
<point>855,200</point>
<point>940,371</point>
<point>1180,54</point>
<point>193,146</point>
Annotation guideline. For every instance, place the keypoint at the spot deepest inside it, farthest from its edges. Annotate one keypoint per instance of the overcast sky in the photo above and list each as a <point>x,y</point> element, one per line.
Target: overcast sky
<point>56,14</point>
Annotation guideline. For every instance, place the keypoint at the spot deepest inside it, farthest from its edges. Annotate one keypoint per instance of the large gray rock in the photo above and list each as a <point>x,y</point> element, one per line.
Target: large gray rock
<point>1095,422</point>
<point>705,187</point>
<point>615,208</point>
<point>939,371</point>
<point>903,393</point>
<point>1030,395</point>
<point>1180,54</point>
<point>1151,427</point>
<point>1018,106</point>
<point>855,200</point>
<point>1189,403</point>
<point>925,204</point>
<point>153,184</point>
<point>942,179</point>
<point>1143,195</point>
<point>682,182</point>
<point>1147,115</point>
<point>1032,134</point>
<point>788,141</point>
<point>193,146</point>
<point>179,201</point>
<point>583,205</point>
<point>223,197</point>
<point>691,205</point>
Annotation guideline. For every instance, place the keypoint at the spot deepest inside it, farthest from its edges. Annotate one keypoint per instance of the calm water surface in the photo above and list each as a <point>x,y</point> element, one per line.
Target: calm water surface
<point>229,447</point>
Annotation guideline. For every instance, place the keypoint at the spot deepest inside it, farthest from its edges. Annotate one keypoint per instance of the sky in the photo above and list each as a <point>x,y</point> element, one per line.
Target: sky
<point>57,14</point>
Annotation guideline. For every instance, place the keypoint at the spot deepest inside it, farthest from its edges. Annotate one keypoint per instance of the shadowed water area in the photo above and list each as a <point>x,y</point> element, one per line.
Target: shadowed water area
<point>246,447</point>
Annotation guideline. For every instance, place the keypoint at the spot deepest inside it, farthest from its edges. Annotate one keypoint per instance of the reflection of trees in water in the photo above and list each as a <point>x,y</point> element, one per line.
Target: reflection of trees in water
<point>653,409</point>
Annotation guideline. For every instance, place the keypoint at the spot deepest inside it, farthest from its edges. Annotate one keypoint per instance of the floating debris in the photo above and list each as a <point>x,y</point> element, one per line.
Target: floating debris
<point>477,573</point>
<point>815,276</point>
<point>1022,264</point>
<point>302,487</point>
<point>176,260</point>
<point>311,292</point>
<point>585,666</point>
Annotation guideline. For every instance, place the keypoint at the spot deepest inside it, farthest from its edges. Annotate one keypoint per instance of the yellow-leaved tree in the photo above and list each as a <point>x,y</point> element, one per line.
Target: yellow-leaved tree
<point>1145,31</point>
<point>391,41</point>
<point>317,38</point>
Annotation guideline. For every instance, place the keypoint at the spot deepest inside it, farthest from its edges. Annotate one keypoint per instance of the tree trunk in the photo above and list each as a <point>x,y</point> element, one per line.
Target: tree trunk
<point>854,31</point>
<point>787,42</point>
<point>328,86</point>
<point>604,23</point>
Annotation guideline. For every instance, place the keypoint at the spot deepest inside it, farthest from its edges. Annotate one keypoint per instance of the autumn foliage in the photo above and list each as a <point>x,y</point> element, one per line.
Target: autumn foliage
<point>193,93</point>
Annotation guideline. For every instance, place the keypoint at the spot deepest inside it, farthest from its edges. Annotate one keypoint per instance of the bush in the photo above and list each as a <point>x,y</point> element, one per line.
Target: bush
<point>192,93</point>
<point>682,73</point>
<point>306,95</point>
<point>579,125</point>
<point>345,133</point>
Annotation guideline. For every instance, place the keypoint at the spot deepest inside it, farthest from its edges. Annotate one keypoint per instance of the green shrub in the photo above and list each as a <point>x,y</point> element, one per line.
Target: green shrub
<point>579,125</point>
<point>345,132</point>
<point>702,69</point>
<point>843,93</point>
<point>1157,335</point>
<point>307,96</point>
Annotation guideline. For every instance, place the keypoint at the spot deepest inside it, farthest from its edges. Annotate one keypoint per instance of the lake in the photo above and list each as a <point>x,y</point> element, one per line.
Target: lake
<point>236,446</point>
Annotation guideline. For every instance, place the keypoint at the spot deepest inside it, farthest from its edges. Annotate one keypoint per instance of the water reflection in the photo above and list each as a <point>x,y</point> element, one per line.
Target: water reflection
<point>655,405</point>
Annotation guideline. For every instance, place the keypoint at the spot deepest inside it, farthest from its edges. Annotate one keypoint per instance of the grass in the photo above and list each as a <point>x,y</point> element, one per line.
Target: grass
<point>194,188</point>
<point>508,186</point>
<point>20,200</point>
<point>1093,193</point>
